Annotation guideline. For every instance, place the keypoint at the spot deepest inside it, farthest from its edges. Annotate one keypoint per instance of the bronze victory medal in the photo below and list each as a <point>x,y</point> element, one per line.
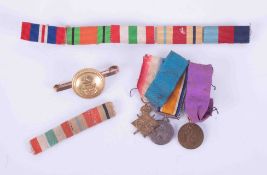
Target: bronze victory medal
<point>162,134</point>
<point>190,136</point>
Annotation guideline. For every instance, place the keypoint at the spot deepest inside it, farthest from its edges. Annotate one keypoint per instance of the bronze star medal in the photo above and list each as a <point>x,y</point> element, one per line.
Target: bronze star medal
<point>145,123</point>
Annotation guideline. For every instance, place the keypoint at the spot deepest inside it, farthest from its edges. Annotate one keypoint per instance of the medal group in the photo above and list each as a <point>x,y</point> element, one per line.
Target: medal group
<point>171,87</point>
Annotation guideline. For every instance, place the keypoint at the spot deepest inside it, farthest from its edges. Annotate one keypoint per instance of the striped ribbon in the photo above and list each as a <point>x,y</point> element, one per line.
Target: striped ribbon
<point>148,72</point>
<point>43,33</point>
<point>72,127</point>
<point>135,34</point>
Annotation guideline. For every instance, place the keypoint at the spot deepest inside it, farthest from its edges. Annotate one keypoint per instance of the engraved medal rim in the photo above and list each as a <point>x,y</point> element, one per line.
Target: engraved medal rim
<point>93,72</point>
<point>184,143</point>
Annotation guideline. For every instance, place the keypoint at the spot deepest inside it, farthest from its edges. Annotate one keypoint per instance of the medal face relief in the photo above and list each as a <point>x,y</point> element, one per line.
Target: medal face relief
<point>190,136</point>
<point>162,134</point>
<point>88,83</point>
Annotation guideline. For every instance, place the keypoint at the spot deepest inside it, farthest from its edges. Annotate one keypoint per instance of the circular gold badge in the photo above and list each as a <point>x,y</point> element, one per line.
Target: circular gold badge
<point>88,83</point>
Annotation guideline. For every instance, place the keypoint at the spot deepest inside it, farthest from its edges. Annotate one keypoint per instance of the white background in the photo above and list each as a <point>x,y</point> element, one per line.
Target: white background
<point>235,140</point>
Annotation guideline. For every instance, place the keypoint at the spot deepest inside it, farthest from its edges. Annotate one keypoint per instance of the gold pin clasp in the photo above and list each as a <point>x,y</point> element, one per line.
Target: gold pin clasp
<point>88,82</point>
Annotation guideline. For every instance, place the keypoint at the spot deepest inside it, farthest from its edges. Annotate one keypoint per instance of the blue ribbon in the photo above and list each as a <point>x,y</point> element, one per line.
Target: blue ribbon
<point>171,70</point>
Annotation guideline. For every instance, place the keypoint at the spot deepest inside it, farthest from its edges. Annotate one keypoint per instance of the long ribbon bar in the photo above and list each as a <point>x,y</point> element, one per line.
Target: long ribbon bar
<point>134,34</point>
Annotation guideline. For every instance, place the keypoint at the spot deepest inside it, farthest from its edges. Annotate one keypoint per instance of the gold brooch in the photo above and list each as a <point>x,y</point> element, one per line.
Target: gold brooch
<point>88,83</point>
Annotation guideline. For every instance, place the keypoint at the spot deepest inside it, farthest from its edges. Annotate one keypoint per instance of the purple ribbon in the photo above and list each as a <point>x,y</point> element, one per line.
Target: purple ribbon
<point>198,104</point>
